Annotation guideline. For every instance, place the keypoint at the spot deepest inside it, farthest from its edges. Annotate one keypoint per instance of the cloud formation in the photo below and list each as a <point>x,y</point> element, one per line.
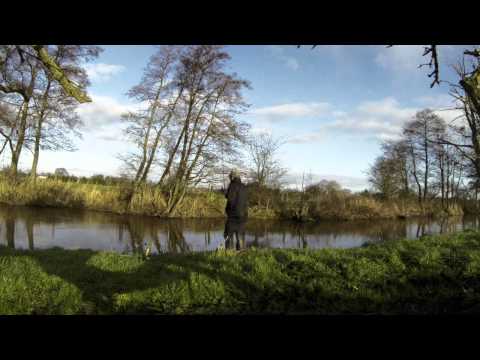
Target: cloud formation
<point>279,53</point>
<point>292,110</point>
<point>101,72</point>
<point>294,180</point>
<point>103,111</point>
<point>400,58</point>
<point>382,119</point>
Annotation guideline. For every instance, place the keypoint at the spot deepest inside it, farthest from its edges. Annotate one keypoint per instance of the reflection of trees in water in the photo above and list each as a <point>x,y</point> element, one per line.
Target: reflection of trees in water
<point>136,230</point>
<point>29,226</point>
<point>140,234</point>
<point>10,220</point>
<point>445,225</point>
<point>176,242</point>
<point>155,239</point>
<point>10,231</point>
<point>420,229</point>
<point>144,236</point>
<point>374,230</point>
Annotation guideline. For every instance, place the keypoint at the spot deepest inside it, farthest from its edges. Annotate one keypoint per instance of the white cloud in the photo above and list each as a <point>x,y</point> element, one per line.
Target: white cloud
<point>109,137</point>
<point>381,120</point>
<point>294,180</point>
<point>400,58</point>
<point>452,116</point>
<point>292,110</point>
<point>292,63</point>
<point>439,101</point>
<point>337,113</point>
<point>261,130</point>
<point>103,111</point>
<point>279,53</point>
<point>102,72</point>
<point>307,138</point>
<point>386,108</point>
<point>444,106</point>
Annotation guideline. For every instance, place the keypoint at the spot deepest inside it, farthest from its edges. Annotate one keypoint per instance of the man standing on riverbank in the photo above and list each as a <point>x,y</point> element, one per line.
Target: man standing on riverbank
<point>237,211</point>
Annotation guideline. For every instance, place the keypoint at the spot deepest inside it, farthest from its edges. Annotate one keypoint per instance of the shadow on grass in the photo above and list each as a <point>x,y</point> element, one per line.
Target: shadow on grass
<point>292,284</point>
<point>427,294</point>
<point>99,286</point>
<point>92,272</point>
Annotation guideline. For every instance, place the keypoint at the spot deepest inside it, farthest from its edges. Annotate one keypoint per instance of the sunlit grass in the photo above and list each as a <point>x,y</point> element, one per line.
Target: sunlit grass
<point>433,275</point>
<point>147,200</point>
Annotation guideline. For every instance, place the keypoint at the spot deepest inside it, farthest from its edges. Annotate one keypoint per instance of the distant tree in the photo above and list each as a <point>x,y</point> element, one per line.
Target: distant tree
<point>266,168</point>
<point>98,179</point>
<point>418,133</point>
<point>62,172</point>
<point>384,177</point>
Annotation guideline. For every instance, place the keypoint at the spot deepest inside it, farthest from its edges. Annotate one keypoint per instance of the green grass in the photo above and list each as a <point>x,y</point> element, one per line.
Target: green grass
<point>433,275</point>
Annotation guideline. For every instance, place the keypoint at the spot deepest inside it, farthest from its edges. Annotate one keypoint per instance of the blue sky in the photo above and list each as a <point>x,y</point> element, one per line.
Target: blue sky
<point>332,104</point>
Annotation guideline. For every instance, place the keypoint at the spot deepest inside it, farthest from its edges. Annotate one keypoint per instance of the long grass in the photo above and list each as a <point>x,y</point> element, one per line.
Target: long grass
<point>147,200</point>
<point>202,203</point>
<point>433,275</point>
<point>346,206</point>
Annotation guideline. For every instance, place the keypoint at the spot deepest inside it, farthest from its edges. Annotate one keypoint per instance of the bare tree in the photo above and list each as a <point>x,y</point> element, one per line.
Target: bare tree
<point>21,84</point>
<point>161,93</point>
<point>206,125</point>
<point>419,132</point>
<point>266,168</point>
<point>8,119</point>
<point>189,124</point>
<point>466,127</point>
<point>55,114</point>
<point>17,79</point>
<point>40,54</point>
<point>384,177</point>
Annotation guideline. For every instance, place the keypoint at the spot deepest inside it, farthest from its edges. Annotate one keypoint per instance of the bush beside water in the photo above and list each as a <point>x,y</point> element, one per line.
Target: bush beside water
<point>312,205</point>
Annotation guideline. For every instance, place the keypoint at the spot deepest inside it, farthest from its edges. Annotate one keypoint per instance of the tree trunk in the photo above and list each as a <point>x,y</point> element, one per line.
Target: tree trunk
<point>442,179</point>
<point>23,125</point>
<point>21,138</point>
<point>38,132</point>
<point>425,180</point>
<point>36,152</point>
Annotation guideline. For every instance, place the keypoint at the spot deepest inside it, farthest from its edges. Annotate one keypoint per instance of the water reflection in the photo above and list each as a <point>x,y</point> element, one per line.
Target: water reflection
<point>235,234</point>
<point>37,228</point>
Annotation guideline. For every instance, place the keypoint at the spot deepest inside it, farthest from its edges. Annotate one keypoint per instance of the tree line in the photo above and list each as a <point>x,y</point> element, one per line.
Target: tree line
<point>435,159</point>
<point>40,89</point>
<point>186,131</point>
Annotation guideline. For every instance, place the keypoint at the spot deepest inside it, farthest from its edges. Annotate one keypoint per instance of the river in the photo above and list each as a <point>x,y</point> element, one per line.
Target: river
<point>41,228</point>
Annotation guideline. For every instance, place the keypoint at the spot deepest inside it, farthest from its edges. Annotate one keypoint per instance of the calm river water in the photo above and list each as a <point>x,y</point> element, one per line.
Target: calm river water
<point>41,228</point>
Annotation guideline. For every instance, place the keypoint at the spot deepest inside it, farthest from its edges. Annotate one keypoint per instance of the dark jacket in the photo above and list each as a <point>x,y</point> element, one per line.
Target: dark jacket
<point>237,200</point>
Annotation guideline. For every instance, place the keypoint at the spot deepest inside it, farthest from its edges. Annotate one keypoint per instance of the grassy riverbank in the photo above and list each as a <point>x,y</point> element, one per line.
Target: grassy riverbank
<point>203,203</point>
<point>433,275</point>
<point>147,200</point>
